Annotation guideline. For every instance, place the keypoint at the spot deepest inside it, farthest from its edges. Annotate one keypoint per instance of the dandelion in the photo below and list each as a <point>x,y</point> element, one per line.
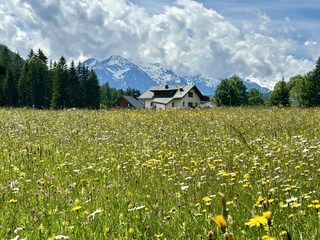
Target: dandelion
<point>283,233</point>
<point>257,221</point>
<point>13,201</point>
<point>76,209</point>
<point>41,181</point>
<point>267,215</point>
<point>266,237</point>
<point>207,199</point>
<point>314,204</point>
<point>220,221</point>
<point>229,203</point>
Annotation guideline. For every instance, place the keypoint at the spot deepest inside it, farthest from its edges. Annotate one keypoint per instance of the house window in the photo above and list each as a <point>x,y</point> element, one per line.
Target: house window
<point>190,105</point>
<point>190,94</point>
<point>173,104</point>
<point>183,104</point>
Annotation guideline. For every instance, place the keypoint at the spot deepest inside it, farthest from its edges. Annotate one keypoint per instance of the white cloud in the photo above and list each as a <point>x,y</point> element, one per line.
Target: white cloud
<point>187,37</point>
<point>313,48</point>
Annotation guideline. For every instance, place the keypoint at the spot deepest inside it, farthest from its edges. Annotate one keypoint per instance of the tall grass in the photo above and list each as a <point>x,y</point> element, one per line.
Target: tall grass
<point>158,174</point>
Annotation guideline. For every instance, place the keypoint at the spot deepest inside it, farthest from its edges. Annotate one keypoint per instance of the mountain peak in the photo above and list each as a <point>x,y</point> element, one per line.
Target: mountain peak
<point>121,73</point>
<point>116,60</point>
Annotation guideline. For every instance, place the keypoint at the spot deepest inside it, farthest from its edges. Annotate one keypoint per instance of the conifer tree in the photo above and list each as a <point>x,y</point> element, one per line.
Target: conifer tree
<point>59,80</point>
<point>73,86</point>
<point>10,89</point>
<point>280,96</point>
<point>25,86</point>
<point>4,65</point>
<point>93,91</point>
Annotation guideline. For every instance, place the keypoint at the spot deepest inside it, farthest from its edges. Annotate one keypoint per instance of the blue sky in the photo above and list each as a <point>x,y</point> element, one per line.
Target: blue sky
<point>302,16</point>
<point>259,40</point>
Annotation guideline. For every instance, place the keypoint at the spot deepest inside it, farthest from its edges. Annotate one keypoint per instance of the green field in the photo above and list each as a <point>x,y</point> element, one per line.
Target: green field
<point>158,174</point>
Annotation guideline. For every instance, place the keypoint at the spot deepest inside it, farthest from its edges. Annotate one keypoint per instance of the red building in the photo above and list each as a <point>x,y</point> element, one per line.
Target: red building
<point>128,102</point>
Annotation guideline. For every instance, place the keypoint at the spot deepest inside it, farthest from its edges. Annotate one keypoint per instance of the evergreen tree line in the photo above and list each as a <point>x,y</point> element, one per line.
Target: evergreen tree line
<point>299,91</point>
<point>39,84</point>
<point>35,83</point>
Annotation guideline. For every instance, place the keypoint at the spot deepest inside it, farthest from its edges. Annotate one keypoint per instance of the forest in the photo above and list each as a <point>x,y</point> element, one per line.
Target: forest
<point>39,83</point>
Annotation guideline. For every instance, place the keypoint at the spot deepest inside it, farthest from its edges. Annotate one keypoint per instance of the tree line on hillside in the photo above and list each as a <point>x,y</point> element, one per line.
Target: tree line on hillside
<point>299,91</point>
<point>110,94</point>
<point>38,83</point>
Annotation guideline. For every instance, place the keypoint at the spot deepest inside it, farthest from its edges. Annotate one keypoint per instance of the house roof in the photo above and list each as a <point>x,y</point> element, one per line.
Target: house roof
<point>165,94</point>
<point>136,103</point>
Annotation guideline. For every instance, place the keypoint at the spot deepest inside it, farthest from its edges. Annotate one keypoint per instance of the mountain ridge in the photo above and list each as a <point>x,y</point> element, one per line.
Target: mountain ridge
<point>121,73</point>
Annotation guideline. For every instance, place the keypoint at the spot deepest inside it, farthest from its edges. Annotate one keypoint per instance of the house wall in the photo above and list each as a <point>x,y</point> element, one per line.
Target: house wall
<point>147,104</point>
<point>121,103</point>
<point>185,102</point>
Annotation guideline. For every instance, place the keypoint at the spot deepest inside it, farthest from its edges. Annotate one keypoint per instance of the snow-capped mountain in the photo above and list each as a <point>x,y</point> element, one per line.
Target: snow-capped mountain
<point>119,72</point>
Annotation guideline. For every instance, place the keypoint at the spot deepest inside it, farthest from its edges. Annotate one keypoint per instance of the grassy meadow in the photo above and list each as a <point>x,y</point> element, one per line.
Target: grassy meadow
<point>180,174</point>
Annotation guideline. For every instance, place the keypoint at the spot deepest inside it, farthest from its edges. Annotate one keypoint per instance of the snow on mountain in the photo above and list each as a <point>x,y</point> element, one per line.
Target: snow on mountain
<point>160,74</point>
<point>119,72</point>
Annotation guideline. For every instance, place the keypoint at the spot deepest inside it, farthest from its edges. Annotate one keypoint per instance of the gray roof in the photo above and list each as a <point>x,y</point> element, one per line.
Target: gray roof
<point>171,92</point>
<point>136,103</point>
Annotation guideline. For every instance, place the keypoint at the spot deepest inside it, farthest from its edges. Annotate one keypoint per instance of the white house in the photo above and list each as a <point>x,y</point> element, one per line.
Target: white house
<point>166,97</point>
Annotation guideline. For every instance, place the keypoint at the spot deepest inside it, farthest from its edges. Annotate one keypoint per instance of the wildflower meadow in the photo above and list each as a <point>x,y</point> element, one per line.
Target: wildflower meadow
<point>227,173</point>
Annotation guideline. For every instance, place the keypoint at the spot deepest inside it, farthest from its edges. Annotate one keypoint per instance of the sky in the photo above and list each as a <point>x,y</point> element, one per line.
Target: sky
<point>263,41</point>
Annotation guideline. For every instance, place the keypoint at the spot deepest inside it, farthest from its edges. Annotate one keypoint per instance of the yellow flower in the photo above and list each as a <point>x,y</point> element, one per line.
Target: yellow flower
<point>267,215</point>
<point>229,203</point>
<point>220,221</point>
<point>77,208</point>
<point>257,221</point>
<point>13,200</point>
<point>207,199</point>
<point>41,181</point>
<point>283,233</point>
<point>266,237</point>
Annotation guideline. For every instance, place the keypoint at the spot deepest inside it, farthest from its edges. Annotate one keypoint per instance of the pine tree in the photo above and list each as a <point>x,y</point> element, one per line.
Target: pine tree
<point>25,86</point>
<point>10,89</point>
<point>34,82</point>
<point>83,73</point>
<point>4,65</point>
<point>280,96</point>
<point>73,87</point>
<point>93,90</point>
<point>59,79</point>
